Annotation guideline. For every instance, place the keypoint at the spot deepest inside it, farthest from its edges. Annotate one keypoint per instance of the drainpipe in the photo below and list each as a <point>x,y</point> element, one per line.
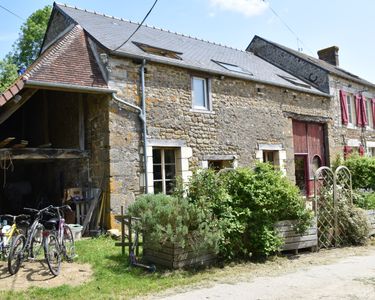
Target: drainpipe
<point>144,122</point>
<point>142,117</point>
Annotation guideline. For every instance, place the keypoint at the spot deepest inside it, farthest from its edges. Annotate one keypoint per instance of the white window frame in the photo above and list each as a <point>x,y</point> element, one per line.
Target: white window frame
<point>352,117</point>
<point>206,94</point>
<point>370,121</point>
<point>163,164</point>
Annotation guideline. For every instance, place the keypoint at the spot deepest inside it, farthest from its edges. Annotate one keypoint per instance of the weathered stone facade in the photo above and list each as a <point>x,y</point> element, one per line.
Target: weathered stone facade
<point>244,115</point>
<point>329,78</point>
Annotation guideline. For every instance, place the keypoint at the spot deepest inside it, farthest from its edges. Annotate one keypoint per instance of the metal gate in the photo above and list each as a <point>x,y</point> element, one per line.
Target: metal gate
<point>331,189</point>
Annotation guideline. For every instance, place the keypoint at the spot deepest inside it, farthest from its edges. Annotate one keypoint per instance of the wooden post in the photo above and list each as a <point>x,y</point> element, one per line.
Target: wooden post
<point>130,233</point>
<point>122,231</point>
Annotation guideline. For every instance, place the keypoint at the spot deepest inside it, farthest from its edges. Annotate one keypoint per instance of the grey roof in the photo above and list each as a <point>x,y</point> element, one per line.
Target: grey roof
<point>322,64</point>
<point>196,54</point>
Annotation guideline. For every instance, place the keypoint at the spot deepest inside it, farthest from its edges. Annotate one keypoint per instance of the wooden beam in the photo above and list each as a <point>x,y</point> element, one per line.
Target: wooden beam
<point>11,107</point>
<point>81,123</point>
<point>22,144</point>
<point>5,142</point>
<point>43,154</point>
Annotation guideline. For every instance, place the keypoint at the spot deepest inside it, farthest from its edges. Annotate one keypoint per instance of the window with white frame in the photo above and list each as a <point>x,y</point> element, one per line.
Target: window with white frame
<point>369,113</point>
<point>200,93</point>
<point>271,157</point>
<point>352,119</point>
<point>164,169</point>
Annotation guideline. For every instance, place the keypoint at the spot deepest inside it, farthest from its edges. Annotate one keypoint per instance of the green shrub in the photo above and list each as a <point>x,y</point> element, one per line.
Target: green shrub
<point>364,200</point>
<point>247,203</point>
<point>362,170</point>
<point>167,219</point>
<point>354,224</point>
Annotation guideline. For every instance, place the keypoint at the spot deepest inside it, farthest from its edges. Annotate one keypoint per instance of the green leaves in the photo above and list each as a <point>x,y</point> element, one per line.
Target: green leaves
<point>247,203</point>
<point>173,220</point>
<point>26,48</point>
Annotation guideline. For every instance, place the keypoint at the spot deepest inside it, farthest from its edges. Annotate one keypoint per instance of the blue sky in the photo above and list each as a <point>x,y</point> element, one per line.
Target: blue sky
<point>318,24</point>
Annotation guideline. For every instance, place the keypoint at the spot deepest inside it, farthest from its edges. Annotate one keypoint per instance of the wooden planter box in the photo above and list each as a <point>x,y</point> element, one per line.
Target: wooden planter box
<point>294,240</point>
<point>371,219</point>
<point>174,257</point>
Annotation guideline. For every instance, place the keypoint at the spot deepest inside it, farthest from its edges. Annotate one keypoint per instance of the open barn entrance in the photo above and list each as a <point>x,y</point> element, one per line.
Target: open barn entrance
<point>46,148</point>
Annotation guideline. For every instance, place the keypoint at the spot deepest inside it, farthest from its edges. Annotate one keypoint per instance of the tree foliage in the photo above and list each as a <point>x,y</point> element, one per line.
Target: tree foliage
<point>26,48</point>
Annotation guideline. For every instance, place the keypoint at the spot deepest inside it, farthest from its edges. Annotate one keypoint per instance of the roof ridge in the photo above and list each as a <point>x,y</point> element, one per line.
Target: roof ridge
<point>150,26</point>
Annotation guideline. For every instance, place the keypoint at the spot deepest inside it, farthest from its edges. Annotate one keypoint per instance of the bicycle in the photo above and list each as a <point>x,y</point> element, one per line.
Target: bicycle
<point>59,241</point>
<point>27,246</point>
<point>8,232</point>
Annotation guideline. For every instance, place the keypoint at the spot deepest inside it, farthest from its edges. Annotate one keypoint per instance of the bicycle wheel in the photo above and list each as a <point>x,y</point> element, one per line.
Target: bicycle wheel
<point>52,253</point>
<point>15,257</point>
<point>68,244</point>
<point>37,241</point>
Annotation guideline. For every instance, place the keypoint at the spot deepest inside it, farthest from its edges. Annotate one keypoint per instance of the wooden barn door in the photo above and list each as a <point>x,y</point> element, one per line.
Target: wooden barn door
<point>309,152</point>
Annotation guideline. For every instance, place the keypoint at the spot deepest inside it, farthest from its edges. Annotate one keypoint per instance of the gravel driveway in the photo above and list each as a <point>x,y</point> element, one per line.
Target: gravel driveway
<point>334,274</point>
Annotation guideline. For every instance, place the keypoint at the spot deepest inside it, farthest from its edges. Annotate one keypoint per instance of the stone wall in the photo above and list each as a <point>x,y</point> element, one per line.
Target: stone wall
<point>244,114</point>
<point>342,134</point>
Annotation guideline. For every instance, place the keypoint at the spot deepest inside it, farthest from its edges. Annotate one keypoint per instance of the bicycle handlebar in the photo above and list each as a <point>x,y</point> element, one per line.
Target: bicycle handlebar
<point>15,217</point>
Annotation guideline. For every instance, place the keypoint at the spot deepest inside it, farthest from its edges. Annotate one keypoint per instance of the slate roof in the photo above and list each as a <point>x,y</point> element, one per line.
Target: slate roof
<point>320,63</point>
<point>195,54</point>
<point>69,61</point>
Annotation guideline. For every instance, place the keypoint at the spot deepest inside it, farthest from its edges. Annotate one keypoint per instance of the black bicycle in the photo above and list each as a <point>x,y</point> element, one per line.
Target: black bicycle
<point>27,246</point>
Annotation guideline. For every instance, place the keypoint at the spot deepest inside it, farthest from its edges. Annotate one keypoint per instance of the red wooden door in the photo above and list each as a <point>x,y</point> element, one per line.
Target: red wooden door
<point>308,140</point>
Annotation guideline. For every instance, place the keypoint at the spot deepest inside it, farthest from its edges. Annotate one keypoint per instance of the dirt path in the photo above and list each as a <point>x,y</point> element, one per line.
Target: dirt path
<point>336,274</point>
<point>36,274</point>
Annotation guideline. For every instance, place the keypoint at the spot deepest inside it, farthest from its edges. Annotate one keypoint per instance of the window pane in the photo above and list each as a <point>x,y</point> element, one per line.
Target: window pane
<point>199,95</point>
<point>349,104</point>
<point>157,172</point>
<point>369,113</point>
<point>158,187</point>
<point>156,156</point>
<point>169,157</point>
<point>170,171</point>
<point>169,185</point>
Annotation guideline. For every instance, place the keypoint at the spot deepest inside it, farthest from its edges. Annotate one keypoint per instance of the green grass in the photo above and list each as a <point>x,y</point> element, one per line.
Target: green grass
<point>112,278</point>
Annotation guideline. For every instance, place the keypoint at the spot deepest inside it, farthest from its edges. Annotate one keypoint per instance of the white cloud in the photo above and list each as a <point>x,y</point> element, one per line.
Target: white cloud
<point>248,8</point>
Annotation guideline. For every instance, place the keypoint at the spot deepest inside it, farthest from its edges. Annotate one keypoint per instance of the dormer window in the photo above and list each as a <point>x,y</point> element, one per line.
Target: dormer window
<point>158,51</point>
<point>295,81</point>
<point>233,68</point>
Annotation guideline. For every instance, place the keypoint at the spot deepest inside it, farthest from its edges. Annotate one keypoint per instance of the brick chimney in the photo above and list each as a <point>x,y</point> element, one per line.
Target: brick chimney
<point>330,55</point>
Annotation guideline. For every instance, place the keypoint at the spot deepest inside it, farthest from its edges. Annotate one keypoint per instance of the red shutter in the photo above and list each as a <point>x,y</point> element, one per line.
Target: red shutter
<point>344,108</point>
<point>361,150</point>
<point>347,151</point>
<point>373,111</point>
<point>358,110</point>
<point>363,109</point>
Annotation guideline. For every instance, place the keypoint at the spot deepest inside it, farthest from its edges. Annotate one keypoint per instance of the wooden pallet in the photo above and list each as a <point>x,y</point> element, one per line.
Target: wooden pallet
<point>371,220</point>
<point>296,241</point>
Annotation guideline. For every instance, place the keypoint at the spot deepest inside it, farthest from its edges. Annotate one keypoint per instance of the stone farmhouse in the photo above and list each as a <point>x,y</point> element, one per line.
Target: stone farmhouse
<point>353,97</point>
<point>129,115</point>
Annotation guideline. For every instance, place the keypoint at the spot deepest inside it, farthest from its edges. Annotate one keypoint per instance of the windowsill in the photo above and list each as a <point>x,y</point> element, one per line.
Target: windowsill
<point>351,126</point>
<point>202,111</point>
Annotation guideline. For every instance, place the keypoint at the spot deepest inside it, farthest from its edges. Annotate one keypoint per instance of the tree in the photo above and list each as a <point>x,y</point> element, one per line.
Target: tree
<point>26,48</point>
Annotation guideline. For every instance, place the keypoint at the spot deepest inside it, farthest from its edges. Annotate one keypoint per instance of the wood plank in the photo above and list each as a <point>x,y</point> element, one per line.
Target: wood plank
<point>301,239</point>
<point>36,153</point>
<point>22,144</point>
<point>302,245</point>
<point>6,141</point>
<point>12,107</point>
<point>292,233</point>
